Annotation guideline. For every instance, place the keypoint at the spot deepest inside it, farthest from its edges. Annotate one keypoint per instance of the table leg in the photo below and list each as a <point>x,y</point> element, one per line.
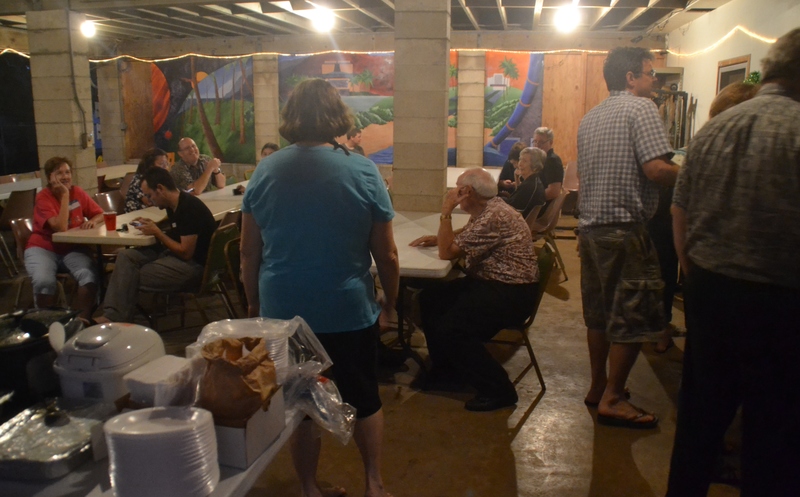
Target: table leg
<point>401,324</point>
<point>101,285</point>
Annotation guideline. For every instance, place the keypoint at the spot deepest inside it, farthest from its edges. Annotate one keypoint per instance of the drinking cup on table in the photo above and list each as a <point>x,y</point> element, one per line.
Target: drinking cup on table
<point>111,220</point>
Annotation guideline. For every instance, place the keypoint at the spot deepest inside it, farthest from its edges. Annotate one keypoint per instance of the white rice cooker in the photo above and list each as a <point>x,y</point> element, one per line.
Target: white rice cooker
<point>92,363</point>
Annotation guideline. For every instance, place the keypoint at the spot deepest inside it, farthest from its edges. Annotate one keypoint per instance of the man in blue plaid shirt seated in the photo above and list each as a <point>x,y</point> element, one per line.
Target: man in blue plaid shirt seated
<point>623,156</point>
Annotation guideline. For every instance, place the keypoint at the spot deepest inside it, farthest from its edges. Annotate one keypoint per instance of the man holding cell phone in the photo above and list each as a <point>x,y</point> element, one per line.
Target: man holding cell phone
<point>176,264</point>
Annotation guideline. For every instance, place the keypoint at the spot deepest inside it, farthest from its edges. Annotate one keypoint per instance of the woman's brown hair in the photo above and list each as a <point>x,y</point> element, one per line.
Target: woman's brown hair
<point>314,112</point>
<point>53,163</point>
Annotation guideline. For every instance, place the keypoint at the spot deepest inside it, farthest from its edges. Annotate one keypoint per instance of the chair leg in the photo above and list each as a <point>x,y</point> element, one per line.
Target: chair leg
<point>548,238</point>
<point>533,359</point>
<point>226,299</point>
<point>20,285</point>
<point>8,258</point>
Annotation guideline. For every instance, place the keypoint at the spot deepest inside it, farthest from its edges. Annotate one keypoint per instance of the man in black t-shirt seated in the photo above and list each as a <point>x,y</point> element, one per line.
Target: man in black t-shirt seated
<point>174,264</point>
<point>553,173</point>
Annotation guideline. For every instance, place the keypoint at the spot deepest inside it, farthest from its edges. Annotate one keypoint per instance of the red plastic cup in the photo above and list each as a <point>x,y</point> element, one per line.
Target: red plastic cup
<point>111,220</point>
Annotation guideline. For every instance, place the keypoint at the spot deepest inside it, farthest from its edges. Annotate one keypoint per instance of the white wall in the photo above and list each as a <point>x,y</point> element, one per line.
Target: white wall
<point>769,18</point>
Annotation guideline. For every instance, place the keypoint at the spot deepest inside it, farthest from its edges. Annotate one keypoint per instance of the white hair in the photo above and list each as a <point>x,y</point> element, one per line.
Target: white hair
<point>544,131</point>
<point>537,156</point>
<point>481,181</point>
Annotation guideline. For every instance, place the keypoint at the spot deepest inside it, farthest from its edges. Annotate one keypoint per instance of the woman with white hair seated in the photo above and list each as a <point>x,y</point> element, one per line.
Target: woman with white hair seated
<point>529,192</point>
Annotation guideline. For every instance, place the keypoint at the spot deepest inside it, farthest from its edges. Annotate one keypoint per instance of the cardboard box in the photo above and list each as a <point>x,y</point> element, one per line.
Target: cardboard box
<point>239,447</point>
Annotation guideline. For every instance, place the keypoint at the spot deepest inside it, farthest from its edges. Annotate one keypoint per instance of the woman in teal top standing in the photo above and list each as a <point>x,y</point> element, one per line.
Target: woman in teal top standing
<point>314,217</point>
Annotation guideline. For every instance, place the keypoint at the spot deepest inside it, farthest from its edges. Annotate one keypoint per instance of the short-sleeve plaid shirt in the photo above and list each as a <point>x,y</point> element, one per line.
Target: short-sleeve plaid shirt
<point>185,174</point>
<point>740,188</point>
<point>614,140</point>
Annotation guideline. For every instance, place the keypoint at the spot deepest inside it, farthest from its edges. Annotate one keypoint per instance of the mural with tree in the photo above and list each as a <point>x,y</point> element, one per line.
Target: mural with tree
<point>208,100</point>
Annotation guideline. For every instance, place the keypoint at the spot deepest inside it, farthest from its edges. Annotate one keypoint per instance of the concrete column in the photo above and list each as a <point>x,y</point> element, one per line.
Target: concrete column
<point>422,51</point>
<point>111,122</point>
<point>469,134</point>
<point>265,100</point>
<point>63,121</point>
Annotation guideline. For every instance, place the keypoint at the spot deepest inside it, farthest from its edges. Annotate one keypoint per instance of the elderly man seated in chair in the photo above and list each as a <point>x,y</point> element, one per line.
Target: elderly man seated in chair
<point>498,291</point>
<point>176,263</point>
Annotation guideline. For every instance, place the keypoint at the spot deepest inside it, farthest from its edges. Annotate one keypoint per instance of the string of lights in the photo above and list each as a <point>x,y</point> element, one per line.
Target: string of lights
<point>711,47</point>
<point>722,40</point>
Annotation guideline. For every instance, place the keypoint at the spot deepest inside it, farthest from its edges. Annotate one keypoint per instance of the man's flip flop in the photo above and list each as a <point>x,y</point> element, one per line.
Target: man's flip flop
<point>629,423</point>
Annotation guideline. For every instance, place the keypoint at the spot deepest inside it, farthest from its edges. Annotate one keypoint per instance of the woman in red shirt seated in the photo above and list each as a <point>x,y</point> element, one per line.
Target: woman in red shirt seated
<point>59,207</point>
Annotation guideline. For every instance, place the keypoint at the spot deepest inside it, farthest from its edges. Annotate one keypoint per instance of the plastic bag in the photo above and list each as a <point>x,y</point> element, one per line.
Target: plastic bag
<point>323,403</point>
<point>292,346</point>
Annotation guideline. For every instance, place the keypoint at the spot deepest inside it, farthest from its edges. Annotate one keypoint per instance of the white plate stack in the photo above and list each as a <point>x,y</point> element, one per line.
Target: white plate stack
<point>162,452</point>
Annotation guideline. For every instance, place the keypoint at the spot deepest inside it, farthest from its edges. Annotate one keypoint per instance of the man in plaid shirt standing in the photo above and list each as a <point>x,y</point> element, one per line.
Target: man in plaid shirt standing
<point>623,155</point>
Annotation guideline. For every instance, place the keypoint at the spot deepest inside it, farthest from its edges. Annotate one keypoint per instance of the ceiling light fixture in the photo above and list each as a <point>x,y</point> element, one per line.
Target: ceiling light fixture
<point>568,17</point>
<point>88,29</point>
<point>322,19</point>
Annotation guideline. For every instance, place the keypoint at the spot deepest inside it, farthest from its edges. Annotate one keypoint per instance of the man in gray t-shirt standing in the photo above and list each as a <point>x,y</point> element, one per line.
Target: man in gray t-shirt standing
<point>623,155</point>
<point>736,219</point>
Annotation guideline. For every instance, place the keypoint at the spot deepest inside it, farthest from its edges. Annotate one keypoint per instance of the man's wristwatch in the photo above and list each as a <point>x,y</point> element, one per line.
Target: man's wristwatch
<point>218,171</point>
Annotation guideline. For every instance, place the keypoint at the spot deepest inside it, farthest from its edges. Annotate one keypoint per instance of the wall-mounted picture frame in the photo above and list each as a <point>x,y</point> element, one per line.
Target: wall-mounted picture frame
<point>732,71</point>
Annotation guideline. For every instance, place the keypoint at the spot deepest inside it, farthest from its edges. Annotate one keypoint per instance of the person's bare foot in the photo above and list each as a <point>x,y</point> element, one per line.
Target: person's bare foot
<point>664,344</point>
<point>592,398</point>
<point>625,414</point>
<point>377,493</point>
<point>327,492</point>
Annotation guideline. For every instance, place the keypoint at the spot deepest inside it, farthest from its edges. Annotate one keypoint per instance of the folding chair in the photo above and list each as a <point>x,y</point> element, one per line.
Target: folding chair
<point>111,201</point>
<point>545,270</point>
<point>233,259</point>
<point>22,229</point>
<point>19,205</point>
<point>545,228</point>
<point>212,282</point>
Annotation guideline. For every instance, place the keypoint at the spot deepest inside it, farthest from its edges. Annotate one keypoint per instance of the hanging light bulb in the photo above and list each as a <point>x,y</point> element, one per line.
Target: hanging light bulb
<point>88,28</point>
<point>322,19</point>
<point>568,17</point>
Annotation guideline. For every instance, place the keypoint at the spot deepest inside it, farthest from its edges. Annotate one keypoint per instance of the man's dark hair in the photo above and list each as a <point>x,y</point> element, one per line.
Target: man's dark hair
<point>156,176</point>
<point>620,62</point>
<point>149,159</point>
<point>516,148</point>
<point>353,132</point>
<point>270,145</point>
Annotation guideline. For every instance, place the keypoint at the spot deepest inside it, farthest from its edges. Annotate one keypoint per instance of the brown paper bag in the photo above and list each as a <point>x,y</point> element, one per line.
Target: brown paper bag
<point>235,385</point>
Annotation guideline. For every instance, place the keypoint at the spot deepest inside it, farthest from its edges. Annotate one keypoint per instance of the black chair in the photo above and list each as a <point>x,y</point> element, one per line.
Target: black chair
<point>19,205</point>
<point>546,259</point>
<point>213,283</point>
<point>233,259</point>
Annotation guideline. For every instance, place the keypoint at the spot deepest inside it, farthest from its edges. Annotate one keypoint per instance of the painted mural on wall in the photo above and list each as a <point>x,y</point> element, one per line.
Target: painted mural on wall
<point>513,102</point>
<point>452,112</point>
<point>366,85</point>
<point>208,100</point>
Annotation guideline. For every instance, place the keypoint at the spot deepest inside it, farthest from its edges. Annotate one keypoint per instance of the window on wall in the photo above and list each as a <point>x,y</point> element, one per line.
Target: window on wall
<point>732,71</point>
<point>18,152</point>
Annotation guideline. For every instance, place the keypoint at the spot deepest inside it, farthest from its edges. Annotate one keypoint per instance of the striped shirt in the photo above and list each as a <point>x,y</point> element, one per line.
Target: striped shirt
<point>614,140</point>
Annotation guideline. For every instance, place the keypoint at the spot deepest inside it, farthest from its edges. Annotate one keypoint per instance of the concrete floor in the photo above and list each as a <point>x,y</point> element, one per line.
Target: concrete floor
<point>549,445</point>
